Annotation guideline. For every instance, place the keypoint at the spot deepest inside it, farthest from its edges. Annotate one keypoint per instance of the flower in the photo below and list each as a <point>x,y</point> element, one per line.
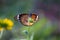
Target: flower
<point>6,24</point>
<point>30,21</point>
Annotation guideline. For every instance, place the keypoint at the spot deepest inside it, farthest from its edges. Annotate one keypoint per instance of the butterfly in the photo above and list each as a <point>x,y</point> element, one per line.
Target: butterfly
<point>26,19</point>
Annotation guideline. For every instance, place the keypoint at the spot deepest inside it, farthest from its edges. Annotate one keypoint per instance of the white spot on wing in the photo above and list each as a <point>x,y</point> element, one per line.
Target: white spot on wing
<point>17,17</point>
<point>36,19</point>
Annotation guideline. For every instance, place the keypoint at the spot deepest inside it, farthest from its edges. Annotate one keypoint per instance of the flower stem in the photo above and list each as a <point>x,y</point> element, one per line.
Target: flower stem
<point>28,36</point>
<point>1,33</point>
<point>31,38</point>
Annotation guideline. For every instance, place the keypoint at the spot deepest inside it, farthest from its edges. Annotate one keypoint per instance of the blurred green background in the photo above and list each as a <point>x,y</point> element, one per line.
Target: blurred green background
<point>43,29</point>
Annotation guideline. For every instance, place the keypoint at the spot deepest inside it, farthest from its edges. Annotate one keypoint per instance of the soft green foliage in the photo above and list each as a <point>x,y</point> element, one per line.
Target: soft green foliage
<point>42,29</point>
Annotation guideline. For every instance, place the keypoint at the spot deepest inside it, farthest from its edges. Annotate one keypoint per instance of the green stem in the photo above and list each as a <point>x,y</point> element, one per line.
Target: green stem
<point>31,38</point>
<point>28,36</point>
<point>1,34</point>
